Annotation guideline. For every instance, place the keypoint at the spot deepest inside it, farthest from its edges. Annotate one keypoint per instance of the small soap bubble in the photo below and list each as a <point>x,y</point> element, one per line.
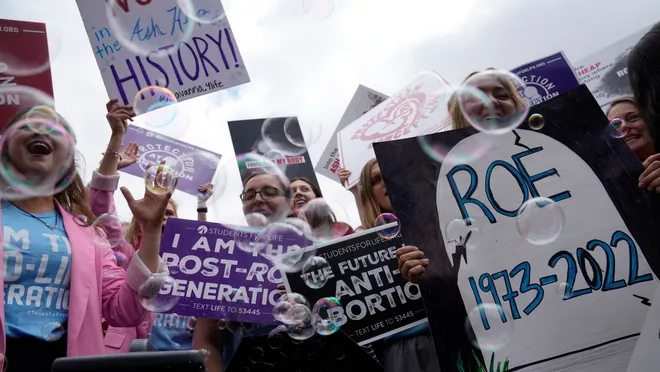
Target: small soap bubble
<point>160,179</point>
<point>257,355</point>
<point>540,221</point>
<point>536,121</point>
<point>390,232</point>
<point>153,98</point>
<point>285,303</point>
<point>256,220</point>
<point>315,272</point>
<point>327,316</point>
<point>151,298</point>
<point>293,133</point>
<point>499,334</point>
<point>52,331</point>
<point>221,324</point>
<point>463,232</point>
<point>275,136</point>
<point>268,243</point>
<point>302,330</point>
<point>441,152</point>
<point>618,128</point>
<point>277,157</point>
<point>108,231</point>
<point>480,109</point>
<point>320,217</point>
<point>48,150</point>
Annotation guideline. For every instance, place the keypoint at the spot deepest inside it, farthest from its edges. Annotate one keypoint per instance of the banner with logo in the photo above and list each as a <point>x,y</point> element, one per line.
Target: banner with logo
<point>219,270</point>
<point>193,165</point>
<point>188,48</point>
<point>419,108</point>
<point>605,72</point>
<point>363,100</point>
<point>374,299</point>
<point>546,78</point>
<point>539,284</point>
<point>277,139</point>
<point>23,66</point>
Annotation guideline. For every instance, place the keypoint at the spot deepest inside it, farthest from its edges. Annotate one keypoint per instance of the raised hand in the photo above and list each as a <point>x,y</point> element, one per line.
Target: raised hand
<point>343,176</point>
<point>118,116</point>
<point>129,156</point>
<point>205,191</point>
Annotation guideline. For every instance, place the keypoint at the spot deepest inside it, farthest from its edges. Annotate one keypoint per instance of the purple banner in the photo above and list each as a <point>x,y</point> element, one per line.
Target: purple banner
<point>546,78</point>
<point>218,272</point>
<point>194,165</point>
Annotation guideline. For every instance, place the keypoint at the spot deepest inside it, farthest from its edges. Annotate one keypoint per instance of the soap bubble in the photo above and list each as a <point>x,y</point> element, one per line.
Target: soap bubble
<point>276,133</point>
<point>325,319</point>
<point>499,334</point>
<point>536,121</point>
<point>314,272</point>
<point>153,98</point>
<point>284,245</point>
<point>463,232</point>
<point>302,330</point>
<point>108,231</point>
<point>476,101</point>
<point>160,179</point>
<point>281,310</point>
<point>540,221</point>
<point>197,12</point>
<point>52,331</point>
<point>151,297</point>
<point>320,217</point>
<point>618,128</point>
<point>390,232</point>
<point>441,152</point>
<point>277,157</point>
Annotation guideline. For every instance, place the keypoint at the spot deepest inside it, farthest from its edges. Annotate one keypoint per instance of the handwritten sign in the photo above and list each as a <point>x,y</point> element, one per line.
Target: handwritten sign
<point>22,66</point>
<point>218,273</point>
<point>363,275</point>
<point>419,107</point>
<point>138,44</point>
<point>280,140</point>
<point>193,165</point>
<point>363,100</point>
<point>521,300</point>
<point>605,72</point>
<point>546,78</point>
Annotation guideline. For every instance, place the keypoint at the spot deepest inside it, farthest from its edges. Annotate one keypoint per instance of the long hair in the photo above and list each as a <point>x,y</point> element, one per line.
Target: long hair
<point>133,233</point>
<point>644,76</point>
<point>457,118</point>
<point>74,197</point>
<point>317,219</point>
<point>370,208</point>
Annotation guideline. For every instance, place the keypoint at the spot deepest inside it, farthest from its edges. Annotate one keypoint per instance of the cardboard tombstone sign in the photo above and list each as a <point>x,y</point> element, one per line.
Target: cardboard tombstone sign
<point>560,284</point>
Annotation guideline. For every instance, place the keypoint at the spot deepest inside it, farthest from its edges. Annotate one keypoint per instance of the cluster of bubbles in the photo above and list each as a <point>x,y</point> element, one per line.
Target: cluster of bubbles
<point>301,323</point>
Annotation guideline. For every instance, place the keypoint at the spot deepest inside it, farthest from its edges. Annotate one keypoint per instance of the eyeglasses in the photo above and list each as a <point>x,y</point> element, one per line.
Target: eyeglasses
<point>267,193</point>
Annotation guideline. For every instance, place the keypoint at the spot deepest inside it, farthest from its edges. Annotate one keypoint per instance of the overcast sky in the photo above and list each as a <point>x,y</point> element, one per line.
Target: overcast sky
<point>310,67</point>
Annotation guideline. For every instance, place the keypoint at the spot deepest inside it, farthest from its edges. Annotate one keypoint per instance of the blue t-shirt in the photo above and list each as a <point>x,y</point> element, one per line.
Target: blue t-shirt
<point>37,262</point>
<point>171,332</point>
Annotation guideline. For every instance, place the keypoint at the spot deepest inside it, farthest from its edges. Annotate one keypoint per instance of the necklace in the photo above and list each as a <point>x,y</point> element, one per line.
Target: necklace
<point>37,218</point>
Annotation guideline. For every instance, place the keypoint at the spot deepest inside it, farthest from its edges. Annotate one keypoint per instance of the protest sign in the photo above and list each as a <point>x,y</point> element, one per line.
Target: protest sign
<point>193,165</point>
<point>363,275</point>
<point>645,356</point>
<point>605,72</point>
<point>546,78</point>
<point>138,44</point>
<point>419,108</point>
<point>580,299</point>
<point>363,100</point>
<point>219,274</point>
<point>22,66</point>
<point>277,139</point>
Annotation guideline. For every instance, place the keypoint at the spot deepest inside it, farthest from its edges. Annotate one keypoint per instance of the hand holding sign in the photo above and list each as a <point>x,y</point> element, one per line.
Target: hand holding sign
<point>650,178</point>
<point>411,263</point>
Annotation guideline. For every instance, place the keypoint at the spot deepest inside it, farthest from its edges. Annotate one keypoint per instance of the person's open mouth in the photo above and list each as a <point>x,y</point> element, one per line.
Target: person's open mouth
<point>39,147</point>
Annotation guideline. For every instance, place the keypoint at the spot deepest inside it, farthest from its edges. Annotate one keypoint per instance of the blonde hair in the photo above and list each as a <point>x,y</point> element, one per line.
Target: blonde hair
<point>132,234</point>
<point>625,99</point>
<point>457,118</point>
<point>370,208</point>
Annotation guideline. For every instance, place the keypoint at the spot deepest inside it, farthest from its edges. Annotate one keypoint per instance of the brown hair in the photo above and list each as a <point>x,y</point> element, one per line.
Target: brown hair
<point>457,118</point>
<point>132,234</point>
<point>74,198</point>
<point>626,99</point>
<point>370,208</point>
<point>285,188</point>
<point>320,219</point>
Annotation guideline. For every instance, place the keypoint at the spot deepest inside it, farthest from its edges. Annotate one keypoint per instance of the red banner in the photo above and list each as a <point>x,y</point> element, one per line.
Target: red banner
<point>24,61</point>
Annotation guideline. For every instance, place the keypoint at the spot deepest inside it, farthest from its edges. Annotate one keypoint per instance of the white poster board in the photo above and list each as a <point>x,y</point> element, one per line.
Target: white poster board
<point>363,100</point>
<point>605,72</point>
<point>138,44</point>
<point>420,108</point>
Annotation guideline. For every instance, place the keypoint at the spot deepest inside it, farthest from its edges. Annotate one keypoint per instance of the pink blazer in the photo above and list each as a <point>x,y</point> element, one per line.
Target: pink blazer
<point>101,195</point>
<point>99,288</point>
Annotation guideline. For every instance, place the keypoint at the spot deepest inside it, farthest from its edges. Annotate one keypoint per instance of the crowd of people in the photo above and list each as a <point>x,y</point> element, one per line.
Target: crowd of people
<point>103,312</point>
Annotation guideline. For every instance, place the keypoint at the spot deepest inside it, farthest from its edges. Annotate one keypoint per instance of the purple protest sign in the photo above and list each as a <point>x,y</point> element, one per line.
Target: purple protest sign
<point>546,78</point>
<point>193,165</point>
<point>219,272</point>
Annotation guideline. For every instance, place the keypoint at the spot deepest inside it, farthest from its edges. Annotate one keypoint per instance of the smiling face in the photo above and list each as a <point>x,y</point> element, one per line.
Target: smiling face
<point>169,212</point>
<point>378,189</point>
<point>264,194</point>
<point>492,102</point>
<point>638,136</point>
<point>302,193</point>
